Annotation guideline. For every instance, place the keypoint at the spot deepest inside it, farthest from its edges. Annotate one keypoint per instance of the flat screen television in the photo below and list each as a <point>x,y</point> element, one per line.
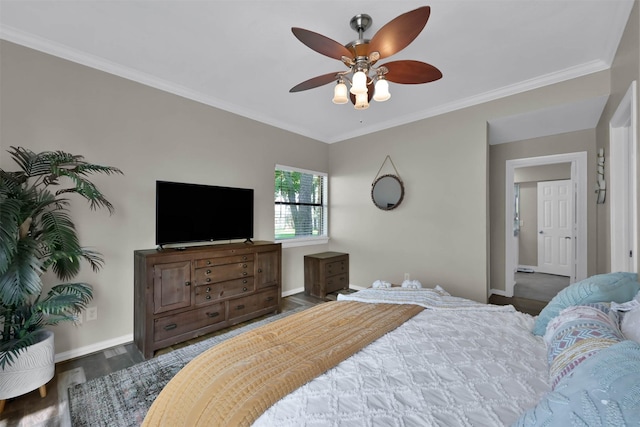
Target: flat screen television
<point>188,213</point>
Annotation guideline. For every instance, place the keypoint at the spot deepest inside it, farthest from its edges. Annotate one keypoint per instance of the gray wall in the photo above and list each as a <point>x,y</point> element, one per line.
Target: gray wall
<point>440,233</point>
<point>52,104</point>
<point>624,70</point>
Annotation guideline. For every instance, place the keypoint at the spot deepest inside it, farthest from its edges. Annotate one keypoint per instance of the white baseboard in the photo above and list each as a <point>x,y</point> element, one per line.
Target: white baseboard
<point>298,290</point>
<point>102,345</point>
<point>292,292</point>
<point>498,292</point>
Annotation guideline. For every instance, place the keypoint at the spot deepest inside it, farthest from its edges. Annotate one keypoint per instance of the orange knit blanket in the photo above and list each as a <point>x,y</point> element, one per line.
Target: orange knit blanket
<point>233,383</point>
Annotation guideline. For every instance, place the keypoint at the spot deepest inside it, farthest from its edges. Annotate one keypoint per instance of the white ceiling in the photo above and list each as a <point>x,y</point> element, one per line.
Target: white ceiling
<point>241,56</point>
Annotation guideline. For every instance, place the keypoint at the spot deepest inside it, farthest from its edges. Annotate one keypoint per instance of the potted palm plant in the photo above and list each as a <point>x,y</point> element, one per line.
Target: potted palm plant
<point>38,235</point>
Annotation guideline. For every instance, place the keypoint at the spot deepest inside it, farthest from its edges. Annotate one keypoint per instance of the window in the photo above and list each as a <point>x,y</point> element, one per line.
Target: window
<point>300,206</point>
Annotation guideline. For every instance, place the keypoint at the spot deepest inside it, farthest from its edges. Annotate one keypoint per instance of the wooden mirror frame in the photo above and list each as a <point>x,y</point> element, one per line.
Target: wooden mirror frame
<point>398,198</point>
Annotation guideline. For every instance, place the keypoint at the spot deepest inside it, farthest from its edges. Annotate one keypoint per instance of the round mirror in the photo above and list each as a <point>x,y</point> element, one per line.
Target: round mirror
<point>387,192</point>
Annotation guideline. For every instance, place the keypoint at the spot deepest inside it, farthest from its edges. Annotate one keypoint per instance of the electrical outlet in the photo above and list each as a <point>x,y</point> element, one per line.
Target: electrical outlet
<point>407,276</point>
<point>92,313</point>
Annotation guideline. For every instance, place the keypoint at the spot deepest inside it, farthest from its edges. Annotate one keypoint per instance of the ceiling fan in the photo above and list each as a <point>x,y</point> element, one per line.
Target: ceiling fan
<point>361,55</point>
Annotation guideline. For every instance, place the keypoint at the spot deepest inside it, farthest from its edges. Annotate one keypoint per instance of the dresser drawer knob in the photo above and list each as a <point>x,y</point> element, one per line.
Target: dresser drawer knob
<point>244,273</point>
<point>208,289</point>
<point>244,258</point>
<point>208,271</point>
<point>244,289</point>
<point>208,279</point>
<point>216,314</point>
<point>240,307</point>
<point>244,281</point>
<point>187,283</point>
<point>170,327</point>
<point>259,270</point>
<point>208,262</point>
<point>207,297</point>
<point>244,265</point>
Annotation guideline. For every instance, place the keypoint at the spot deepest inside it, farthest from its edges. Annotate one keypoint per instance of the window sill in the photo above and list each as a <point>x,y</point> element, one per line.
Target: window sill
<point>309,241</point>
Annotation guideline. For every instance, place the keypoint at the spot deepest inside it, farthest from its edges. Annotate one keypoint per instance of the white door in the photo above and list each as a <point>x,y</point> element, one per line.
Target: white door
<point>555,227</point>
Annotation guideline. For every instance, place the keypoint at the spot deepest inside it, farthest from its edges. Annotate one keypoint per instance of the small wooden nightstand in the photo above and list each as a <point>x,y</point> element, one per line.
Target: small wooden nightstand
<point>325,272</point>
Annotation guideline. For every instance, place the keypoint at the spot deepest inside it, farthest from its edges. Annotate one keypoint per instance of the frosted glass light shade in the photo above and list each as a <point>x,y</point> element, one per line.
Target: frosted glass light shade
<point>359,84</point>
<point>362,101</point>
<point>381,91</point>
<point>340,94</point>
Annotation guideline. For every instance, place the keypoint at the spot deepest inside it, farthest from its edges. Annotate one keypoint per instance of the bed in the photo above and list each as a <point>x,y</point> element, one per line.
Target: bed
<point>420,357</point>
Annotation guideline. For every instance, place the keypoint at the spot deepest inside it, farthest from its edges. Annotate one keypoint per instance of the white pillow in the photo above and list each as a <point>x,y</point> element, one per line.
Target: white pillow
<point>630,325</point>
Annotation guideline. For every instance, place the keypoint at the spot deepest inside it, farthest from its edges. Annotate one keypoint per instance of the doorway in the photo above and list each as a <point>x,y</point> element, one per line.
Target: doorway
<point>622,187</point>
<point>578,262</point>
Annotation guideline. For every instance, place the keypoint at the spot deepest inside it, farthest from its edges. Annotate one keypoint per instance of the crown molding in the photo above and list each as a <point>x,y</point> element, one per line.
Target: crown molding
<point>92,61</point>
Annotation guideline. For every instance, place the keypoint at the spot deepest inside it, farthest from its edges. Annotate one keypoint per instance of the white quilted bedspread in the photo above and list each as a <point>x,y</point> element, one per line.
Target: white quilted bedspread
<point>470,367</point>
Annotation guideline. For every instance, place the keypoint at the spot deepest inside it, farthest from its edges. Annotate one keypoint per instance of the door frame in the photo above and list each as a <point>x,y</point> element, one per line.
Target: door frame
<point>578,162</point>
<point>622,182</point>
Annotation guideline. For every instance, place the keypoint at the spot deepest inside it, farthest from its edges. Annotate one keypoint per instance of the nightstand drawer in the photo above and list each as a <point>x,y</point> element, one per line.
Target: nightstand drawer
<point>337,267</point>
<point>335,283</point>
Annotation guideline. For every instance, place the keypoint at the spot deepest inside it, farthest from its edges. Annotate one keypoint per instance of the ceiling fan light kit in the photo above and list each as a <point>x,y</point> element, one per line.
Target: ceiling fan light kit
<point>366,80</point>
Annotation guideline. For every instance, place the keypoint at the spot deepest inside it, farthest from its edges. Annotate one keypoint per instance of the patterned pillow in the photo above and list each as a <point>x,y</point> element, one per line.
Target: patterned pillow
<point>603,391</point>
<point>618,287</point>
<point>577,334</point>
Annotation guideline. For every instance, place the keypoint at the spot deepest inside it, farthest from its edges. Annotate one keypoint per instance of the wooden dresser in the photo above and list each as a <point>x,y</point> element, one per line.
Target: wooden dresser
<point>182,294</point>
<point>325,272</point>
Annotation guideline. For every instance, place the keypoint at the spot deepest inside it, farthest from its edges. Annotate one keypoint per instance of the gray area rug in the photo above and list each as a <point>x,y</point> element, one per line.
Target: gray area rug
<point>124,397</point>
<point>539,286</point>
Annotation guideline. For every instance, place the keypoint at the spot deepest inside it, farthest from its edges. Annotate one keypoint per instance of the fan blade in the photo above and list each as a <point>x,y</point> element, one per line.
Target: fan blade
<point>399,32</point>
<point>411,72</point>
<point>321,44</point>
<point>315,82</point>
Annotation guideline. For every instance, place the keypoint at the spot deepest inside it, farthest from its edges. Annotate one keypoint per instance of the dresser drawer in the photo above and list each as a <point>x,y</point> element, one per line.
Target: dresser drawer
<point>241,306</point>
<point>215,291</point>
<point>171,326</point>
<point>212,262</point>
<point>222,273</point>
<point>337,282</point>
<point>337,267</point>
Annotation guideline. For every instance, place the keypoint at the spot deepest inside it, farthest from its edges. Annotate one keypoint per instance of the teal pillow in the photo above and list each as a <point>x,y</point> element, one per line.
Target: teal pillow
<point>611,287</point>
<point>603,391</point>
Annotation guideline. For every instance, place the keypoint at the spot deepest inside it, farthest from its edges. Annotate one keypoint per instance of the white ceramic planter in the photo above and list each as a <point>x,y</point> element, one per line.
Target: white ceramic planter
<point>32,369</point>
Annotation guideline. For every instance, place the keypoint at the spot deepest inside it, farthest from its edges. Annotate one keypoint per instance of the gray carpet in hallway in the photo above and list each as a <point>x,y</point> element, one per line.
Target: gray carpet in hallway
<point>539,286</point>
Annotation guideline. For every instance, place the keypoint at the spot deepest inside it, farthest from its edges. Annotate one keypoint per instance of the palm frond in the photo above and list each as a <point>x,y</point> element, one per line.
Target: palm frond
<point>65,299</point>
<point>22,277</point>
<point>9,225</point>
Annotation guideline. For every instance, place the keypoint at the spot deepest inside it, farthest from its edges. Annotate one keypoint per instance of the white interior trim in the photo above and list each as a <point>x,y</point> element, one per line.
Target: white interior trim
<point>579,177</point>
<point>88,349</point>
<point>623,134</point>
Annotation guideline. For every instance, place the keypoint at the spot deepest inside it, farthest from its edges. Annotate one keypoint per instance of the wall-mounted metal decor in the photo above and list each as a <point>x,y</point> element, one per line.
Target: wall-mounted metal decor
<point>601,184</point>
<point>387,191</point>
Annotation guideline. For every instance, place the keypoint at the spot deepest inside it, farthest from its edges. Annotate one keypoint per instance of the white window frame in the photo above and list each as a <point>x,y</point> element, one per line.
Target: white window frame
<point>309,240</point>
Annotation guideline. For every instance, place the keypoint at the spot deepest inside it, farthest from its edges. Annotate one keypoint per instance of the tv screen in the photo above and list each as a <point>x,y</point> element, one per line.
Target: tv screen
<point>196,213</point>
